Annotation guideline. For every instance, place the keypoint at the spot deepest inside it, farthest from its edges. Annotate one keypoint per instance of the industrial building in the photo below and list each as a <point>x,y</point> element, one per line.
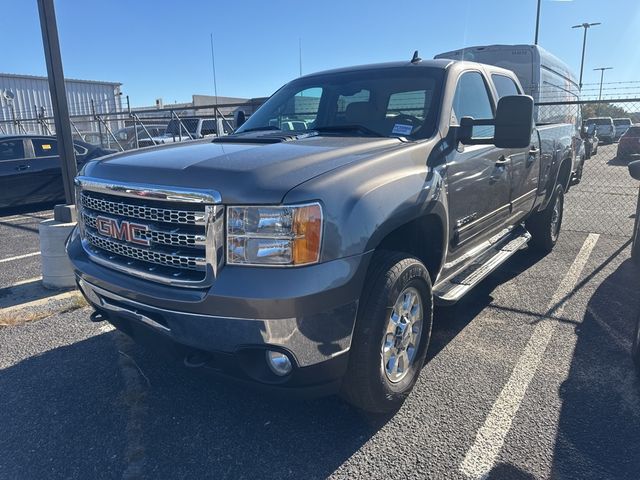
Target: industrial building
<point>24,98</point>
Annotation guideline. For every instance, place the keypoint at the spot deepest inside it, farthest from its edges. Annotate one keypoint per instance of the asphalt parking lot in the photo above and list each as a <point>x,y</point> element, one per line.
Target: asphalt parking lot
<point>529,377</point>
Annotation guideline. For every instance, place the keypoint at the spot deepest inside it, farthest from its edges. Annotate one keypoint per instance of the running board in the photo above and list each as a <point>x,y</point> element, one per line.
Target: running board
<point>453,289</point>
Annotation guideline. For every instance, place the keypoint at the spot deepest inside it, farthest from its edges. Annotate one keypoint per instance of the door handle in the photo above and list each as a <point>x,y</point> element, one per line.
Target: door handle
<point>23,167</point>
<point>533,151</point>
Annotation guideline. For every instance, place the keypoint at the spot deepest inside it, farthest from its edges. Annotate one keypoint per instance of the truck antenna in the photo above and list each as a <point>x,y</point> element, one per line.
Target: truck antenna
<point>416,58</point>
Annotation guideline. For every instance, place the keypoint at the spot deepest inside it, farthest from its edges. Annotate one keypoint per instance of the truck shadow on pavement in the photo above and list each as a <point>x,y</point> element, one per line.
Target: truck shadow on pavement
<point>601,395</point>
<point>104,406</point>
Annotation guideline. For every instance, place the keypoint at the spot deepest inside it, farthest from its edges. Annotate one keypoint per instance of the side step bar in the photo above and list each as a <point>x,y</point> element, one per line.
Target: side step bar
<point>453,289</point>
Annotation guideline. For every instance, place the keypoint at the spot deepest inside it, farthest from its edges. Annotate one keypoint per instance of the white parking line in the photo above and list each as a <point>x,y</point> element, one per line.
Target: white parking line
<point>19,257</point>
<point>482,455</point>
<point>22,282</point>
<point>106,328</point>
<point>22,218</point>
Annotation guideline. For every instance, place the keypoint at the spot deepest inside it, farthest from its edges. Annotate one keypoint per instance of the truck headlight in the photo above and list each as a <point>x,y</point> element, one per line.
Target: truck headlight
<point>279,235</point>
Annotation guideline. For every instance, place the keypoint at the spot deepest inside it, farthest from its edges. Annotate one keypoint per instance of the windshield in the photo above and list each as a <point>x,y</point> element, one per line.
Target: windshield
<point>390,102</point>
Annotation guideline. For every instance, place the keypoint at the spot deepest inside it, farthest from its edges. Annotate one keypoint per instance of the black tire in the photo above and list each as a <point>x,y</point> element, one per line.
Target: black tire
<point>543,226</point>
<point>635,349</point>
<point>367,384</point>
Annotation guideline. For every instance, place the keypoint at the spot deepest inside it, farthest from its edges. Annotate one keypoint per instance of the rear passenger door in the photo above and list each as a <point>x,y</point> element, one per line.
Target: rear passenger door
<point>478,179</point>
<point>525,163</point>
<point>45,169</point>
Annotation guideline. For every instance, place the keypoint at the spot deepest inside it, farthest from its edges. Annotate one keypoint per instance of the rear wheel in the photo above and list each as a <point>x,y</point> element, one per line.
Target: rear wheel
<point>545,226</point>
<point>392,333</point>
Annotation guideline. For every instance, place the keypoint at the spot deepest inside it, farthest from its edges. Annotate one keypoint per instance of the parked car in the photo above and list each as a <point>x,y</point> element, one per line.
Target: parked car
<point>590,138</point>
<point>621,125</point>
<point>605,129</point>
<point>311,259</point>
<point>634,171</point>
<point>187,128</point>
<point>30,170</point>
<point>94,138</point>
<point>629,144</point>
<point>127,136</point>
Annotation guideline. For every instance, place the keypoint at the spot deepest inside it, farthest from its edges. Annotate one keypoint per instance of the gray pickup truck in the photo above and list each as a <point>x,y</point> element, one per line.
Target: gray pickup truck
<point>309,257</point>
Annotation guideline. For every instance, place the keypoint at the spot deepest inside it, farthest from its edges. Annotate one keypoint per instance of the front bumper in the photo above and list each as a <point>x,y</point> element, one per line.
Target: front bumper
<point>307,312</point>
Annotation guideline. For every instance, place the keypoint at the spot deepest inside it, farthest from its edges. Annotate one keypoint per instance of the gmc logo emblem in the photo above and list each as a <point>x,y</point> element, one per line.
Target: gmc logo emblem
<point>128,231</point>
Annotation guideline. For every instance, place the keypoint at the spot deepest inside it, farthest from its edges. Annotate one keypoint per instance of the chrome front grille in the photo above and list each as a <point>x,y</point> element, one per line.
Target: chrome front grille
<point>142,212</point>
<point>171,236</point>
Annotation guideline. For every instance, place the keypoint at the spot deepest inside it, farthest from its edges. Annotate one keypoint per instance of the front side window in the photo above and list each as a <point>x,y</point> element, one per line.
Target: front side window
<point>11,150</point>
<point>208,127</point>
<point>386,102</point>
<point>472,100</point>
<point>43,147</point>
<point>505,86</point>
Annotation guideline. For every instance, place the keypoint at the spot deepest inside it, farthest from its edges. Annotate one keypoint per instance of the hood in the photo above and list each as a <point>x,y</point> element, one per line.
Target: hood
<point>242,173</point>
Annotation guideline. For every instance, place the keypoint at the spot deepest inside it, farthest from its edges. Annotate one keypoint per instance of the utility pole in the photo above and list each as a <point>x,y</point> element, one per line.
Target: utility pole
<point>535,42</point>
<point>55,73</point>
<point>586,27</point>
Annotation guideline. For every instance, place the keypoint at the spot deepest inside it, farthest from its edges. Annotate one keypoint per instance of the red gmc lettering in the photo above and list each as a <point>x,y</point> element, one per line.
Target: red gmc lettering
<point>124,230</point>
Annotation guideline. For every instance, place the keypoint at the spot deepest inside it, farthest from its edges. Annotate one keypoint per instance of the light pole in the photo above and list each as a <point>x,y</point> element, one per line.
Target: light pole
<point>602,69</point>
<point>535,42</point>
<point>586,27</point>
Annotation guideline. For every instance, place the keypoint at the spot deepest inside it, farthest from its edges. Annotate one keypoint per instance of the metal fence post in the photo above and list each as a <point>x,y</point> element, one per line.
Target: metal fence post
<point>58,96</point>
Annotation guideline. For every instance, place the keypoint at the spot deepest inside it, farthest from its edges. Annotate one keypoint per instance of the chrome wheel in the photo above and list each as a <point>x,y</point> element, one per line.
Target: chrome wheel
<point>402,335</point>
<point>556,217</point>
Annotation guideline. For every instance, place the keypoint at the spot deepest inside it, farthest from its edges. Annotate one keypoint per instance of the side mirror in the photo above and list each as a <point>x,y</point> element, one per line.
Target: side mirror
<point>634,169</point>
<point>514,122</point>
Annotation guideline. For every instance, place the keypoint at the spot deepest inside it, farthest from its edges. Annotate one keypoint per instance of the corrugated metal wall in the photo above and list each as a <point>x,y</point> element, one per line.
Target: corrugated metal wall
<point>31,95</point>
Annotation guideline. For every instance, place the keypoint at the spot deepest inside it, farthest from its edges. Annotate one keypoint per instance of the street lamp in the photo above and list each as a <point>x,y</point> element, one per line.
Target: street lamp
<point>602,69</point>
<point>586,27</point>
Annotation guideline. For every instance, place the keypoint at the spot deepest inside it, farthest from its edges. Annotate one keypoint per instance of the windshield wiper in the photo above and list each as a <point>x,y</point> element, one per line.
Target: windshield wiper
<point>348,128</point>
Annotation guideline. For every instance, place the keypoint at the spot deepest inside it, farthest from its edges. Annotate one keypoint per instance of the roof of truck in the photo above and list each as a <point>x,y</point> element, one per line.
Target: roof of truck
<point>439,63</point>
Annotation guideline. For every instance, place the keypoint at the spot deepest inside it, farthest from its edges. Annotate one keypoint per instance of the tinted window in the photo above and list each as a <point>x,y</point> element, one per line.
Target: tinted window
<point>80,150</point>
<point>208,127</point>
<point>505,86</point>
<point>11,150</point>
<point>633,132</point>
<point>472,100</point>
<point>43,147</point>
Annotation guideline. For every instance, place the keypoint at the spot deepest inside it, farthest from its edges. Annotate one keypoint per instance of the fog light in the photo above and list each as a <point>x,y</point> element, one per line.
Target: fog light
<point>279,363</point>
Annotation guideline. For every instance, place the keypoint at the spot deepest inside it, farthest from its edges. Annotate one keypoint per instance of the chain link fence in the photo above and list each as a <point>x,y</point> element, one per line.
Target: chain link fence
<point>604,201</point>
<point>126,128</point>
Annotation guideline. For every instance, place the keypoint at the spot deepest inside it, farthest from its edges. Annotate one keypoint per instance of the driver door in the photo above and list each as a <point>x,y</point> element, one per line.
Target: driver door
<point>478,176</point>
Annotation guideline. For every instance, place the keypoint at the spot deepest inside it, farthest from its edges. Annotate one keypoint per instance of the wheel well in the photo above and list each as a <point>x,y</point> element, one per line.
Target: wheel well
<point>422,238</point>
<point>564,175</point>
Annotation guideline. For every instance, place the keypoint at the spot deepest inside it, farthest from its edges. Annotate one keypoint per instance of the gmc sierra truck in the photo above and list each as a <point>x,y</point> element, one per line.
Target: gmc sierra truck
<point>309,257</point>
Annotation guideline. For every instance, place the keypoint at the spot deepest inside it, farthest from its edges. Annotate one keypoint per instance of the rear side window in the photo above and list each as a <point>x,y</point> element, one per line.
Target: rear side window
<point>633,132</point>
<point>472,100</point>
<point>505,86</point>
<point>409,103</point>
<point>11,150</point>
<point>43,147</point>
<point>208,127</point>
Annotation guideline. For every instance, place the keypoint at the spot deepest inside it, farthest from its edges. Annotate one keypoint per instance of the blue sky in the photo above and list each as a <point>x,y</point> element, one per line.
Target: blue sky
<point>161,48</point>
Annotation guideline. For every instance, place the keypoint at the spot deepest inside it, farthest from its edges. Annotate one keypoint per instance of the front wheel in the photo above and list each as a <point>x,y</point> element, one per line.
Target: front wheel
<point>392,333</point>
<point>545,226</point>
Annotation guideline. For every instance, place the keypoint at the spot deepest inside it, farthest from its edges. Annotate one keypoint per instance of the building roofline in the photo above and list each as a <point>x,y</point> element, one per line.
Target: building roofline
<point>39,77</point>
